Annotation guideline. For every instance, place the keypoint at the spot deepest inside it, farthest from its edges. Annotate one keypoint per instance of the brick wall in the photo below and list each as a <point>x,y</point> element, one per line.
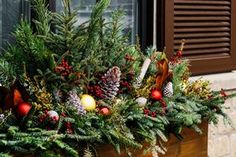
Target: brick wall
<point>222,138</point>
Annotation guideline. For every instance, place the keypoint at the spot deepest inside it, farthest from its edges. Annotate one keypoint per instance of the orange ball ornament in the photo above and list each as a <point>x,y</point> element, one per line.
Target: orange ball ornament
<point>23,109</point>
<point>156,94</point>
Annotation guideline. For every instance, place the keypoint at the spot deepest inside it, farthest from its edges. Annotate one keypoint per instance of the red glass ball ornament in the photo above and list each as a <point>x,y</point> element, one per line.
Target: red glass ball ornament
<point>105,111</point>
<point>156,94</point>
<point>23,109</point>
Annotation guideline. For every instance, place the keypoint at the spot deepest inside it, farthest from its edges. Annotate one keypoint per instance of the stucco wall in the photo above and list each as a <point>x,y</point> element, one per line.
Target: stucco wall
<point>222,138</point>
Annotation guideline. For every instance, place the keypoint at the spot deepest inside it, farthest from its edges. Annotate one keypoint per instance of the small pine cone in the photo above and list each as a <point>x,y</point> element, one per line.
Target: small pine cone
<point>80,110</point>
<point>111,82</point>
<point>75,103</point>
<point>168,89</point>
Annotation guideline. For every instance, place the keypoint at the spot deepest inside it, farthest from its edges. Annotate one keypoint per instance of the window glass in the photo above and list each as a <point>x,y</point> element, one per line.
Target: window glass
<point>84,6</point>
<point>129,20</point>
<point>129,7</point>
<point>0,23</point>
<point>10,14</point>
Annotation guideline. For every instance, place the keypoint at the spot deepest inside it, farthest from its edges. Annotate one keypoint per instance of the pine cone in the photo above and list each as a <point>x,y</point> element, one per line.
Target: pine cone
<point>111,82</point>
<point>75,103</point>
<point>168,89</point>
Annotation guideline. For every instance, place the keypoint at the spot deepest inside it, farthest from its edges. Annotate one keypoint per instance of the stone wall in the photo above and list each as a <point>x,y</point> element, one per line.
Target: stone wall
<point>222,138</point>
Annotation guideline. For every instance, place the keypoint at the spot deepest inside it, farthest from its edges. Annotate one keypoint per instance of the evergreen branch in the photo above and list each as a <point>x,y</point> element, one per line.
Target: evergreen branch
<point>93,28</point>
<point>43,18</point>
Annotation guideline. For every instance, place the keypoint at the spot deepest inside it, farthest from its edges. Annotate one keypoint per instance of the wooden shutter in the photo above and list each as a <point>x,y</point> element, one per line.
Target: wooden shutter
<point>209,27</point>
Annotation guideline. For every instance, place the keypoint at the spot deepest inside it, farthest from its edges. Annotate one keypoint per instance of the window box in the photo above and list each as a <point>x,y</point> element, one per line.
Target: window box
<point>193,144</point>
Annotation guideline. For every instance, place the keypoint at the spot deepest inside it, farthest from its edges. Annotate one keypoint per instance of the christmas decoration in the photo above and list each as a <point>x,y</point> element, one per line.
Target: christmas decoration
<point>23,109</point>
<point>199,88</point>
<point>168,90</point>
<point>163,70</point>
<point>96,90</point>
<point>88,102</point>
<point>2,116</point>
<point>53,115</point>
<point>141,101</point>
<point>105,111</point>
<point>144,69</point>
<point>17,99</point>
<point>223,93</point>
<point>156,94</point>
<point>10,98</point>
<point>111,82</point>
<point>64,68</point>
<point>179,53</point>
<point>75,102</point>
<point>141,97</point>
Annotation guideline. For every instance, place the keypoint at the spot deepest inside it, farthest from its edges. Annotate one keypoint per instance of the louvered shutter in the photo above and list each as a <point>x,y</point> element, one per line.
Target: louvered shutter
<point>209,28</point>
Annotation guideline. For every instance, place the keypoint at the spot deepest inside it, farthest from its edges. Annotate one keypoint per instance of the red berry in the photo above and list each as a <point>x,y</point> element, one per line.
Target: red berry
<point>23,109</point>
<point>154,114</point>
<point>105,111</point>
<point>63,114</point>
<point>146,111</point>
<point>179,53</point>
<point>156,94</point>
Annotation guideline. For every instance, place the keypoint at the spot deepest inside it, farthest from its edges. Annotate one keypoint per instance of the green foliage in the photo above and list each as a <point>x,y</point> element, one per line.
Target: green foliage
<point>94,28</point>
<point>179,73</point>
<point>67,36</point>
<point>30,49</point>
<point>6,72</point>
<point>33,142</point>
<point>43,17</point>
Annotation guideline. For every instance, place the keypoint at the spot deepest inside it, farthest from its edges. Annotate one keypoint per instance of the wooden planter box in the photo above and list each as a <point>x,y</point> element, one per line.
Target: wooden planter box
<point>193,145</point>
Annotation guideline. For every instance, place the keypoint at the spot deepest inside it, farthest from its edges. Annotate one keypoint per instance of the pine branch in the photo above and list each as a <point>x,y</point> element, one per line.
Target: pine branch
<point>94,28</point>
<point>43,18</point>
<point>7,73</point>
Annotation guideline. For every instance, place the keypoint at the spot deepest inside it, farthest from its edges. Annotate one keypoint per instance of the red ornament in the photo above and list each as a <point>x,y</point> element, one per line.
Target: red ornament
<point>105,111</point>
<point>23,109</point>
<point>156,94</point>
<point>179,53</point>
<point>53,115</point>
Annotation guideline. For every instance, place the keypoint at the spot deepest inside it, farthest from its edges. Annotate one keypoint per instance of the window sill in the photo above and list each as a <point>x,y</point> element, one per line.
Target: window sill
<point>226,81</point>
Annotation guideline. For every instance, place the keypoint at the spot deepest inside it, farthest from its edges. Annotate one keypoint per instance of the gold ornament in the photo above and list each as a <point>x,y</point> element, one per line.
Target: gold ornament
<point>88,102</point>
